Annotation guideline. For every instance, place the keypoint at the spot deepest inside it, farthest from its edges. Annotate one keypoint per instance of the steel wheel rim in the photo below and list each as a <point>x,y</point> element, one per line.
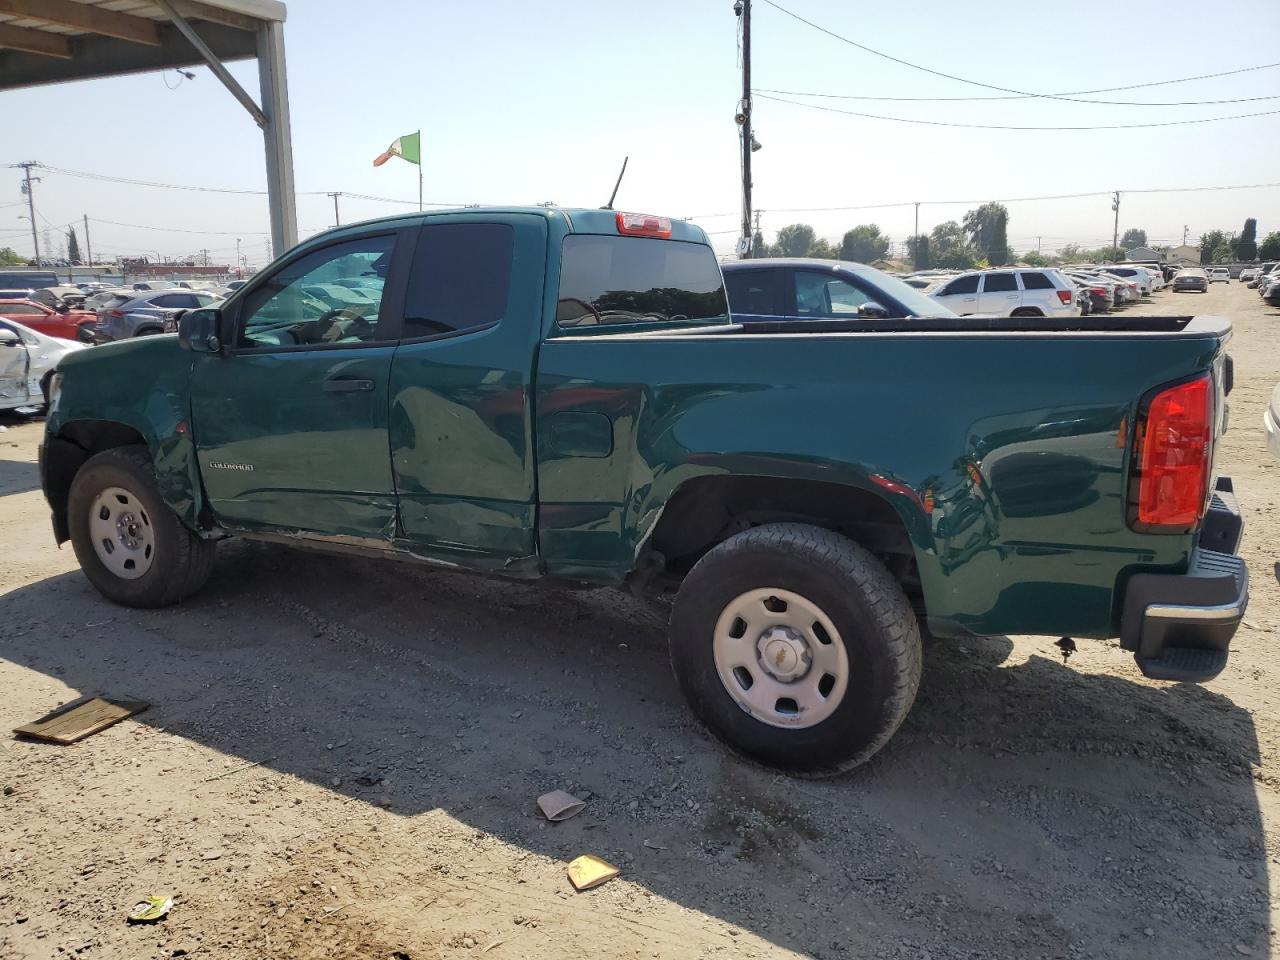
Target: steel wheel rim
<point>780,657</point>
<point>121,532</point>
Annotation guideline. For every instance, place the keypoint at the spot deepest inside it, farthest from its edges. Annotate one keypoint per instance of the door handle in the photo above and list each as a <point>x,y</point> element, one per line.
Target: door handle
<point>1012,296</point>
<point>970,299</point>
<point>348,386</point>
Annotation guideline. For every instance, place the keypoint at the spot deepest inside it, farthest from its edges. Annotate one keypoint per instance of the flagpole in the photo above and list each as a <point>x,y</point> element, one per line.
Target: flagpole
<point>419,171</point>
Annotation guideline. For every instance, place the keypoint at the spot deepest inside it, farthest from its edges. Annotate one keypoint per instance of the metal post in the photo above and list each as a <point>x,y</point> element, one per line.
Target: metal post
<point>746,126</point>
<point>419,171</point>
<point>31,207</point>
<point>277,136</point>
<point>917,231</point>
<point>1115,234</point>
<point>88,247</point>
<point>238,273</point>
<point>337,221</point>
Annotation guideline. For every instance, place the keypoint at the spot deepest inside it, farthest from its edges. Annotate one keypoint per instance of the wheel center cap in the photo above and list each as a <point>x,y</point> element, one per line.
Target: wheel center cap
<point>783,653</point>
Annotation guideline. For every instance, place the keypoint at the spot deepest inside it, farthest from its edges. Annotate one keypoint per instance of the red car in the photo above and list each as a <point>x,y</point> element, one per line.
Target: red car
<point>52,323</point>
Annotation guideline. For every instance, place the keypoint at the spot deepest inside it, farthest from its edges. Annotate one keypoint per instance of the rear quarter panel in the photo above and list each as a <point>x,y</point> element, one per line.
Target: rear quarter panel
<point>1012,451</point>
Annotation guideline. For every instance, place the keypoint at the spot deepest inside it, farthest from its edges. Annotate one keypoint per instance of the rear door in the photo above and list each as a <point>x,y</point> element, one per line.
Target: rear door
<point>461,431</point>
<point>1000,294</point>
<point>756,293</point>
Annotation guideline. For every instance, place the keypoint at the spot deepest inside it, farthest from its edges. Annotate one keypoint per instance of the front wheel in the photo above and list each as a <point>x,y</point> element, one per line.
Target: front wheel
<point>130,545</point>
<point>796,647</point>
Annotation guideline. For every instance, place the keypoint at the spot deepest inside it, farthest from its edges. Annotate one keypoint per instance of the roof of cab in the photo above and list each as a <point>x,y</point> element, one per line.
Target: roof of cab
<point>577,219</point>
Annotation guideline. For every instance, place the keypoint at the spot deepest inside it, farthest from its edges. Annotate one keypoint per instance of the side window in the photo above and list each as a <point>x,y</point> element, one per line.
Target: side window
<point>967,284</point>
<point>168,300</point>
<point>23,310</point>
<point>822,295</point>
<point>1036,281</point>
<point>999,283</point>
<point>460,279</point>
<point>304,304</point>
<point>754,291</point>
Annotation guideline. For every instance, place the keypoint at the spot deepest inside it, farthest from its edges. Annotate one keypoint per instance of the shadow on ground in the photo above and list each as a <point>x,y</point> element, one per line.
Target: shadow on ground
<point>1023,810</point>
<point>18,476</point>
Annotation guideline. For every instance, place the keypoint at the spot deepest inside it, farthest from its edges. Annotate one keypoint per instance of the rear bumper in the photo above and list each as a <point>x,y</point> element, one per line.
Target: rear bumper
<point>1179,626</point>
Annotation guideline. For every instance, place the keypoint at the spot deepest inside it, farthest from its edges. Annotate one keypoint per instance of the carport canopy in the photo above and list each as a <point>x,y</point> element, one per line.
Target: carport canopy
<point>51,41</point>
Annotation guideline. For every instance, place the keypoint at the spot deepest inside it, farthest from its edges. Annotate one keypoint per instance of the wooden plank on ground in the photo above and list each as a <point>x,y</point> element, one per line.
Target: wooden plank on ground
<point>79,719</point>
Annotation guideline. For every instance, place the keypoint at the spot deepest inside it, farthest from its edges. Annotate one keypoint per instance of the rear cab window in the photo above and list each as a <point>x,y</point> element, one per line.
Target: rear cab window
<point>606,280</point>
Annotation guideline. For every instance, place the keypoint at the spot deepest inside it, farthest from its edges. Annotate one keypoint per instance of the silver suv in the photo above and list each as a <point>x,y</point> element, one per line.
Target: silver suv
<point>136,313</point>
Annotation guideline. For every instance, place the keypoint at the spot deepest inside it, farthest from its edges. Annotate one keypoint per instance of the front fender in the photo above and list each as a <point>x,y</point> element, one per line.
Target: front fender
<point>128,392</point>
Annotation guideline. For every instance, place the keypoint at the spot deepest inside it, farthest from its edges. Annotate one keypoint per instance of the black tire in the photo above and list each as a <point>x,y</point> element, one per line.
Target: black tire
<point>872,615</point>
<point>1026,312</point>
<point>182,561</point>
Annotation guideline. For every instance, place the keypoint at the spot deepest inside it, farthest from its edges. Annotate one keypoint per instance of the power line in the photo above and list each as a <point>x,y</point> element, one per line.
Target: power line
<point>999,126</point>
<point>1113,103</point>
<point>989,86</point>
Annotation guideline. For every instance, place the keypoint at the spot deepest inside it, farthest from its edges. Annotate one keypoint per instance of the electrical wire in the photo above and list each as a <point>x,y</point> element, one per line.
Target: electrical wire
<point>1001,126</point>
<point>1069,96</point>
<point>1114,103</point>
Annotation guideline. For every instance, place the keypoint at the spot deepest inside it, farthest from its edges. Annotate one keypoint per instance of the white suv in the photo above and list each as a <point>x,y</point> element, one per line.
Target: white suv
<point>1219,275</point>
<point>1010,293</point>
<point>1139,275</point>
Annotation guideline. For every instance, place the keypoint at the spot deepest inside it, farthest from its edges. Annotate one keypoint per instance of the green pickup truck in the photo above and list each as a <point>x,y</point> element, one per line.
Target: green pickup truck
<point>562,395</point>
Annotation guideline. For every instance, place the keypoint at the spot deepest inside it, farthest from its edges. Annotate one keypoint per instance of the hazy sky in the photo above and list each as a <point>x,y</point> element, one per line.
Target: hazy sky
<point>526,102</point>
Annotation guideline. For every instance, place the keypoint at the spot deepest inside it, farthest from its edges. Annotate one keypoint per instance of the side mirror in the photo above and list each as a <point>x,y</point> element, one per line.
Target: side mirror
<point>872,311</point>
<point>62,308</point>
<point>202,330</point>
<point>8,338</point>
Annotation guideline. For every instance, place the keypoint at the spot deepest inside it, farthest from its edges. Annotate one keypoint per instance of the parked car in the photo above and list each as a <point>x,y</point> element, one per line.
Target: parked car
<point>42,356</point>
<point>154,285</point>
<point>21,279</point>
<point>63,324</point>
<point>235,284</point>
<point>1271,288</point>
<point>1264,272</point>
<point>1247,274</point>
<point>1140,276</point>
<point>1271,423</point>
<point>1010,293</point>
<point>55,297</point>
<point>1117,290</point>
<point>100,300</point>
<point>144,314</point>
<point>1219,275</point>
<point>821,289</point>
<point>16,293</point>
<point>1094,298</point>
<point>1192,278</point>
<point>560,395</point>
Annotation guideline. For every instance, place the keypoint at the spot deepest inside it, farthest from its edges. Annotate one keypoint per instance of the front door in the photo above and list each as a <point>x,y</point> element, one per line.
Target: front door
<point>13,369</point>
<point>1000,294</point>
<point>290,422</point>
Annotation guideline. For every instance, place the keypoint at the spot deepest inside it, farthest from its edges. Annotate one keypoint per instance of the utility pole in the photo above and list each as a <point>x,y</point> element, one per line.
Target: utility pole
<point>917,230</point>
<point>238,273</point>
<point>88,247</point>
<point>1038,244</point>
<point>337,221</point>
<point>1184,234</point>
<point>1115,233</point>
<point>743,9</point>
<point>31,202</point>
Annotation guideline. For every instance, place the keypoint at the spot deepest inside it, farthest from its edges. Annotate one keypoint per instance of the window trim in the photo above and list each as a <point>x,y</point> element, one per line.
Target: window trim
<point>392,303</point>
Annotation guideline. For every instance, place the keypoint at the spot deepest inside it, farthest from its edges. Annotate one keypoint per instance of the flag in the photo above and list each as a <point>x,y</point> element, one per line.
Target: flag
<point>408,147</point>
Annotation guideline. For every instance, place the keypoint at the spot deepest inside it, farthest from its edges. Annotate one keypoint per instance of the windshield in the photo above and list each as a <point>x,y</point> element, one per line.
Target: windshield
<point>607,279</point>
<point>913,300</point>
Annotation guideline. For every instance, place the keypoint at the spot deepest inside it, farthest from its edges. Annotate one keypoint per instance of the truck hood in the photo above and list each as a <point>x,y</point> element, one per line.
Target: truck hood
<point>139,356</point>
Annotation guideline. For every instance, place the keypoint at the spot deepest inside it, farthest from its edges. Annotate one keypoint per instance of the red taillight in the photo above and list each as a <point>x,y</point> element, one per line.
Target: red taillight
<point>1172,455</point>
<point>644,225</point>
<point>1066,296</point>
<point>115,313</point>
<point>1098,291</point>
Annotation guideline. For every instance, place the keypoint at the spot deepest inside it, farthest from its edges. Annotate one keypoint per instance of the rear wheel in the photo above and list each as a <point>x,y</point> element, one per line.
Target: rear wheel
<point>130,545</point>
<point>1026,312</point>
<point>796,647</point>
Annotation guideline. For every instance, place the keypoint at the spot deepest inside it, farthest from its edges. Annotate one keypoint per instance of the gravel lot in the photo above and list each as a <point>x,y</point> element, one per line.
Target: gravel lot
<point>400,722</point>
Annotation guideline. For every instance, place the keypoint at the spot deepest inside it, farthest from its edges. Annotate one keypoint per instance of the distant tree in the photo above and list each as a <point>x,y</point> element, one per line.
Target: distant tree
<point>918,250</point>
<point>1212,244</point>
<point>1105,254</point>
<point>950,247</point>
<point>1247,245</point>
<point>73,245</point>
<point>823,250</point>
<point>795,240</point>
<point>1134,237</point>
<point>1070,252</point>
<point>9,258</point>
<point>1269,249</point>
<point>1034,258</point>
<point>987,228</point>
<point>864,243</point>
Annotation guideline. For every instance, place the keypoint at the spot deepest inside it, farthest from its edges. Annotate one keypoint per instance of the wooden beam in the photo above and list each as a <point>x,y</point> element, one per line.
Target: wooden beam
<point>78,16</point>
<point>34,41</point>
<point>194,10</point>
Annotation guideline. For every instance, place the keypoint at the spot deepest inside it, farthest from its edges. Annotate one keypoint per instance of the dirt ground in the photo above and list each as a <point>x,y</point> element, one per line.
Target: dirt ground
<point>341,760</point>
